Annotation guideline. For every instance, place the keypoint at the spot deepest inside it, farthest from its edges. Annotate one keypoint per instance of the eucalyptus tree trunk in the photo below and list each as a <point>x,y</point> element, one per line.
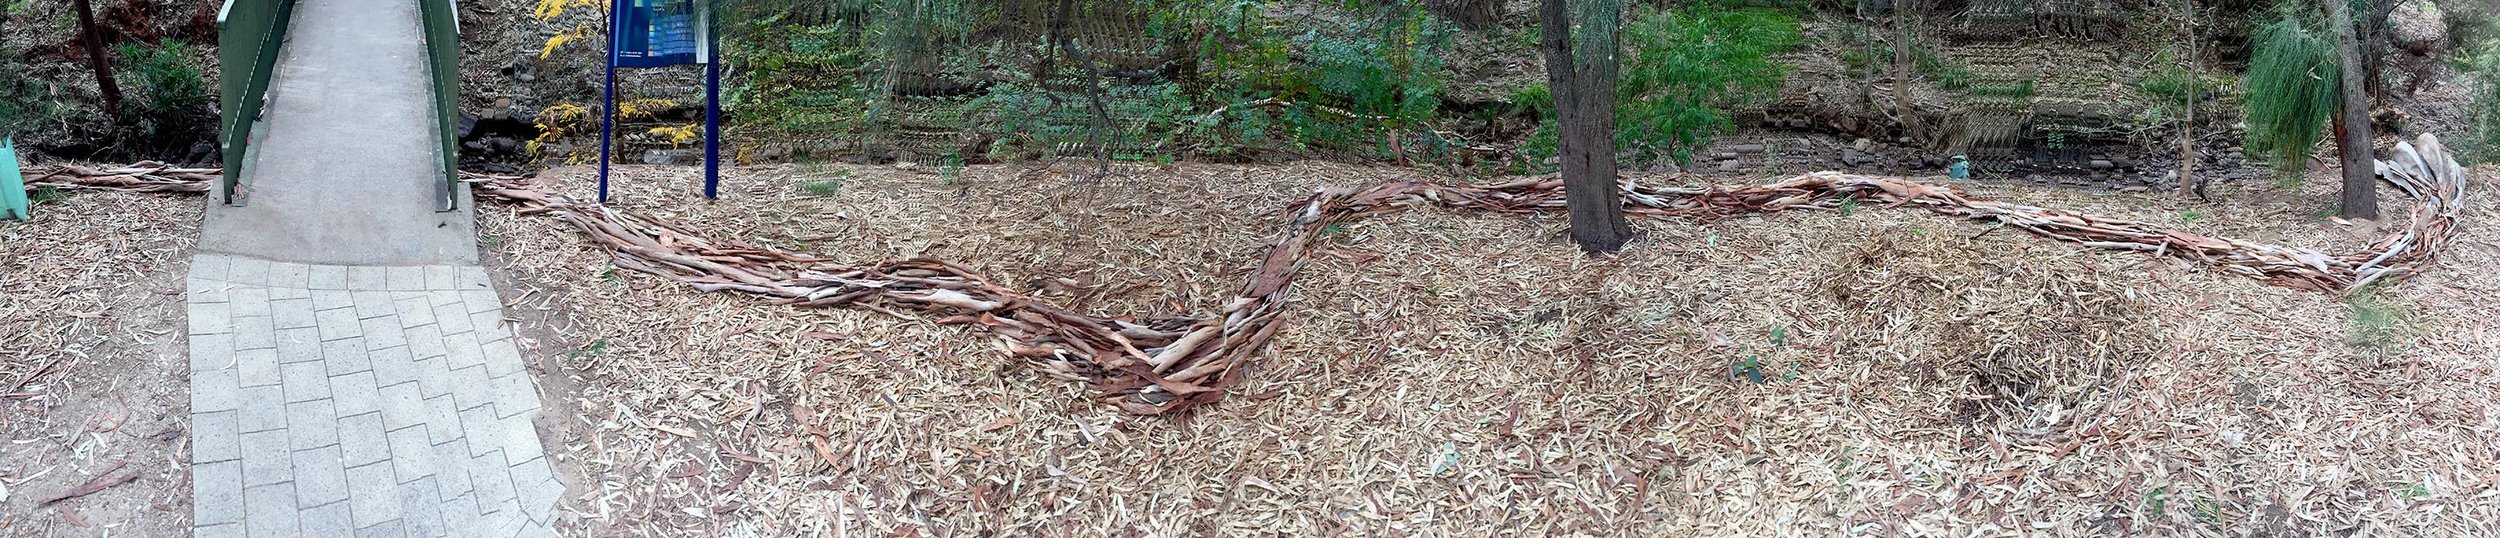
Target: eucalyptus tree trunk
<point>2352,124</point>
<point>97,58</point>
<point>1583,82</point>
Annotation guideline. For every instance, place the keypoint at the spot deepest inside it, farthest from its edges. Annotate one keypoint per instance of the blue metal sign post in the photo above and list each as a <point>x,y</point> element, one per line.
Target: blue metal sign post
<point>662,33</point>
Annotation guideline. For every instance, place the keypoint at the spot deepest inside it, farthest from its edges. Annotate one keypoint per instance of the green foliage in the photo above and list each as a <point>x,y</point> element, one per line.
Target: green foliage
<point>1688,67</point>
<point>170,95</point>
<point>822,187</point>
<point>2013,92</point>
<point>2480,70</point>
<point>2378,322</point>
<point>2291,92</point>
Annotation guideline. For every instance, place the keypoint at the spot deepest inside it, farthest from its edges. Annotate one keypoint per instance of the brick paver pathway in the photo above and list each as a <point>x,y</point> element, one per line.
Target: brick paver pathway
<point>359,401</point>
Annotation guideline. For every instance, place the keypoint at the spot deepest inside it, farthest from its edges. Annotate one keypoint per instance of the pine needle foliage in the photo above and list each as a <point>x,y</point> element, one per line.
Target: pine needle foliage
<point>2292,90</point>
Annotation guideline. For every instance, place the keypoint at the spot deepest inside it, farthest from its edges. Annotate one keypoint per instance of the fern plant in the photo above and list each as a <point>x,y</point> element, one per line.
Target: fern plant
<point>2293,76</point>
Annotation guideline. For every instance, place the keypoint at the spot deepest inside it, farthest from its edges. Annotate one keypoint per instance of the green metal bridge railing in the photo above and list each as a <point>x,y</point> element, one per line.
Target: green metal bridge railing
<point>248,34</point>
<point>442,52</point>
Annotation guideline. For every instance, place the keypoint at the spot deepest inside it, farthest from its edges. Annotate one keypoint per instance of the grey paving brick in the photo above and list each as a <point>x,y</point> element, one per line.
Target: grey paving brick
<point>215,390</point>
<point>304,381</point>
<point>372,303</point>
<point>434,376</point>
<point>261,408</point>
<point>412,453</point>
<point>248,300</point>
<point>278,293</point>
<point>442,419</point>
<point>366,278</point>
<point>213,318</point>
<point>460,515</point>
<point>463,351</point>
<point>215,437</point>
<point>291,313</point>
<point>354,393</point>
<point>320,478</point>
<point>480,300</point>
<point>327,277</point>
<point>331,299</point>
<point>502,358</point>
<point>500,523</point>
<point>450,320</point>
<point>425,343</point>
<point>228,530</point>
<point>211,351</point>
<point>405,278</point>
<point>327,520</point>
<point>338,324</point>
<point>392,366</point>
<point>413,307</point>
<point>482,430</point>
<point>299,344</point>
<point>266,459</point>
<point>255,332</point>
<point>401,405</point>
<point>311,425</point>
<point>474,278</point>
<point>489,326</point>
<point>362,440</point>
<point>421,509</point>
<point>539,498</point>
<point>451,475</point>
<point>197,291</point>
<point>537,529</point>
<point>257,367</point>
<point>247,271</point>
<point>383,332</point>
<point>210,267</point>
<point>515,395</point>
<point>216,492</point>
<point>269,509</point>
<point>346,355</point>
<point>386,529</point>
<point>289,275</point>
<point>471,389</point>
<point>442,277</point>
<point>373,496</point>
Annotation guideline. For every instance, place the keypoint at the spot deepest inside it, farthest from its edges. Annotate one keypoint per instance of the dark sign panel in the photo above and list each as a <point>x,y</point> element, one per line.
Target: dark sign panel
<point>659,33</point>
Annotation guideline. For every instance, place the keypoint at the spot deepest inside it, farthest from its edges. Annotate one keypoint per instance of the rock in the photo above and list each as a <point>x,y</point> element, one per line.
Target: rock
<point>2418,26</point>
<point>2102,165</point>
<point>1862,144</point>
<point>671,156</point>
<point>2134,188</point>
<point>1852,157</point>
<point>1727,166</point>
<point>1746,148</point>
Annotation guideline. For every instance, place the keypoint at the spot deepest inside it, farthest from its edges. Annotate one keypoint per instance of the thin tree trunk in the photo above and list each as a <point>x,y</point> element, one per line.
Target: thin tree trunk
<point>1903,63</point>
<point>2196,87</point>
<point>2353,124</point>
<point>97,59</point>
<point>1584,100</point>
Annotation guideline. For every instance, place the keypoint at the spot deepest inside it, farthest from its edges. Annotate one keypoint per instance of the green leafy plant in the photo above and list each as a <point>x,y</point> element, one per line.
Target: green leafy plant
<point>2291,91</point>
<point>1687,68</point>
<point>171,93</point>
<point>822,187</point>
<point>2378,322</point>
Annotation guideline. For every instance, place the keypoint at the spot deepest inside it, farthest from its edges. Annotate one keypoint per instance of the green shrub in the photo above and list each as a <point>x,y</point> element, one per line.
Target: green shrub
<point>2292,84</point>
<point>170,93</point>
<point>1687,68</point>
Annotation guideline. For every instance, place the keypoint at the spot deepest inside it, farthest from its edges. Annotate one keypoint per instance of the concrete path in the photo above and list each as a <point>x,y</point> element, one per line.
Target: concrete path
<point>351,372</point>
<point>359,401</point>
<point>346,169</point>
